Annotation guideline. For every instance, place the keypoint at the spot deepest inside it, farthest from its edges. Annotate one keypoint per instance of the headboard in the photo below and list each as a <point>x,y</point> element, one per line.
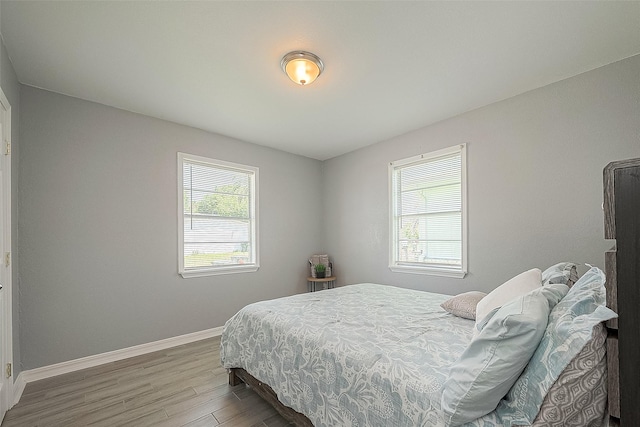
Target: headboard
<point>622,265</point>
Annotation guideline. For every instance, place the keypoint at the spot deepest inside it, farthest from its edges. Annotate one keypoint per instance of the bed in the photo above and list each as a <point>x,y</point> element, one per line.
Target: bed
<point>378,355</point>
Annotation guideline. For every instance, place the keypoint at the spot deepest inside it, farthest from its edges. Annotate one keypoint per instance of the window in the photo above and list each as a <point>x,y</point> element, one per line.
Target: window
<point>428,213</point>
<point>217,223</point>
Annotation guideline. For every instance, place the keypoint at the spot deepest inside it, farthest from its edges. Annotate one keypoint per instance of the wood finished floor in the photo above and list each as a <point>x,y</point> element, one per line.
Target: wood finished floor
<point>181,386</point>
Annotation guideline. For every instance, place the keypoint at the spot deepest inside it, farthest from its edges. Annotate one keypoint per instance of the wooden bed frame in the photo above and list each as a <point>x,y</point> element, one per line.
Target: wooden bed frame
<point>622,267</point>
<point>239,375</point>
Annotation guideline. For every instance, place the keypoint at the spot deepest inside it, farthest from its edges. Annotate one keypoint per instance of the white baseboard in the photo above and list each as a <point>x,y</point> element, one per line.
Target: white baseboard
<point>18,388</point>
<point>100,359</point>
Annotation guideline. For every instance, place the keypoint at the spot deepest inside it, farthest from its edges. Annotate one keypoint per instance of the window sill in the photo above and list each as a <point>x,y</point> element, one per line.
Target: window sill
<point>443,272</point>
<point>218,271</point>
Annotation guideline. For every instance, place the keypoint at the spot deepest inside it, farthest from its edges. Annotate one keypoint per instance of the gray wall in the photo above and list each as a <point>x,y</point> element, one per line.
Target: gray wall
<point>11,88</point>
<point>97,224</point>
<point>98,227</point>
<point>534,181</point>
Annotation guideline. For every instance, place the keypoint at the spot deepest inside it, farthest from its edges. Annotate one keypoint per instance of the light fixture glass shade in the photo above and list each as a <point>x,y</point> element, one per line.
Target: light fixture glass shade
<point>302,67</point>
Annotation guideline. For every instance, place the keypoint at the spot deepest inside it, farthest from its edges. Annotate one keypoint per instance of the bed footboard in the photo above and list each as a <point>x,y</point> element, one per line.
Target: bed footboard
<point>239,375</point>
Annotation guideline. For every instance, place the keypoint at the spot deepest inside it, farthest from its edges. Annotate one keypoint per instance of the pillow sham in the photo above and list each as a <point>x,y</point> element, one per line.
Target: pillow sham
<point>512,288</point>
<point>563,272</point>
<point>464,305</point>
<point>570,327</point>
<point>494,359</point>
<point>586,378</point>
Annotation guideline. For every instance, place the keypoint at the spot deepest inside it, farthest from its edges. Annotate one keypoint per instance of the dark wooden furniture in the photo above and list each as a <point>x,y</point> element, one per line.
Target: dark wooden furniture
<point>622,267</point>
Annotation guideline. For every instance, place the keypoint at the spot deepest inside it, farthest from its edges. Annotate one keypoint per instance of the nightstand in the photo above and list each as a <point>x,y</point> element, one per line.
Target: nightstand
<point>327,283</point>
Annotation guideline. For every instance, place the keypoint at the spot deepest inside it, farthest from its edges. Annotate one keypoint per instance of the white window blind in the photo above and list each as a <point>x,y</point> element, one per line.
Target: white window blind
<point>217,216</point>
<point>428,213</point>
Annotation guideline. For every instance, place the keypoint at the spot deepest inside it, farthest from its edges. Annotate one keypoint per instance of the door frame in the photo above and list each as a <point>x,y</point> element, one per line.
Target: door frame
<point>6,335</point>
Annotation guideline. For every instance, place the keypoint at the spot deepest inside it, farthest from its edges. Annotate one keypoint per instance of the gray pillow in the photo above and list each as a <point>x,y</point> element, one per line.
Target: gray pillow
<point>582,384</point>
<point>464,305</point>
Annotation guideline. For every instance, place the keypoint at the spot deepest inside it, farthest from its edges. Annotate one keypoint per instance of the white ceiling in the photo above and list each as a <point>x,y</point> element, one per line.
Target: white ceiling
<point>390,67</point>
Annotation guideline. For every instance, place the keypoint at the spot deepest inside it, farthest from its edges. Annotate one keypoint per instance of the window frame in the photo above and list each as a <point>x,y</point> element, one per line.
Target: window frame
<point>394,264</point>
<point>253,172</point>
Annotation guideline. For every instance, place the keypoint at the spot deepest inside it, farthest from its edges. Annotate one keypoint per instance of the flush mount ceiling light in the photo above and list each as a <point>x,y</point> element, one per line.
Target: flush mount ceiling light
<point>302,67</point>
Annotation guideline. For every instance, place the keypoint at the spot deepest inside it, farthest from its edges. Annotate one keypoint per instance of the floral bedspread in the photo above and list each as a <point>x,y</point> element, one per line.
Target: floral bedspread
<point>359,355</point>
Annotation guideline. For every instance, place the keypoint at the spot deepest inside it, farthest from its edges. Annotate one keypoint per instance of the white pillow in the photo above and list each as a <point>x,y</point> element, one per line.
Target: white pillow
<point>513,288</point>
<point>494,359</point>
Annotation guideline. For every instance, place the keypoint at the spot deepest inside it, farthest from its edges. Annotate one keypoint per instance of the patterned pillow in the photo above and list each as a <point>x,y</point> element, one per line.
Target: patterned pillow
<point>570,327</point>
<point>464,305</point>
<point>563,272</point>
<point>582,384</point>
